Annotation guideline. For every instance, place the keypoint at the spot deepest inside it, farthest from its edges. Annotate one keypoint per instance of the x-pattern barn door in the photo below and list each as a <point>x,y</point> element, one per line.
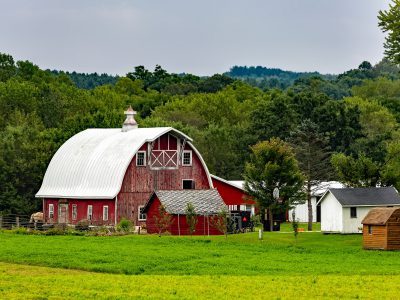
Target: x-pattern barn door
<point>164,159</point>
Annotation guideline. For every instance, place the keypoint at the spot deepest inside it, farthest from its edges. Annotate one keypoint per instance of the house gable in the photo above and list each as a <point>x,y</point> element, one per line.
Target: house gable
<point>331,213</point>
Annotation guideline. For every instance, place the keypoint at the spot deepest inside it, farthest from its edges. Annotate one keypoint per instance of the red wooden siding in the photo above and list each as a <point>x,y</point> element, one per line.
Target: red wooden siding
<point>140,181</point>
<point>230,194</point>
<point>179,224</point>
<point>82,206</point>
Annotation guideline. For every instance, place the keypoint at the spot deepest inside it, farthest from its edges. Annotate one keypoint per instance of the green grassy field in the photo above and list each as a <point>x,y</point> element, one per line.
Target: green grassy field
<point>241,266</point>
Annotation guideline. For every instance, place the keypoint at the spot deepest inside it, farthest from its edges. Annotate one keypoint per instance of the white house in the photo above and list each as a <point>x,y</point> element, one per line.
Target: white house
<point>342,210</point>
<point>301,210</point>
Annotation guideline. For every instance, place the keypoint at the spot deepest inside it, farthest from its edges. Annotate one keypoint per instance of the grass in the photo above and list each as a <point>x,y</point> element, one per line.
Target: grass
<point>316,266</point>
<point>28,282</point>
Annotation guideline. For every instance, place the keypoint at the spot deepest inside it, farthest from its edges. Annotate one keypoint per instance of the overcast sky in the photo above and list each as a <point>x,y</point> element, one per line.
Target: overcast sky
<point>200,37</point>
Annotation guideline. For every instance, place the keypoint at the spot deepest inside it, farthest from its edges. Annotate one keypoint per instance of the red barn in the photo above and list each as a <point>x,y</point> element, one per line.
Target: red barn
<point>234,195</point>
<point>103,175</point>
<point>207,204</point>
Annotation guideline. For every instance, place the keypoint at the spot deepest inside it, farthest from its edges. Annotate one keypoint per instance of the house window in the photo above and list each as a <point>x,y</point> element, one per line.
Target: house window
<point>105,213</point>
<point>353,212</point>
<point>51,211</point>
<point>187,158</point>
<point>141,158</point>
<point>90,212</point>
<point>369,229</point>
<point>74,211</point>
<point>188,184</point>
<point>142,215</point>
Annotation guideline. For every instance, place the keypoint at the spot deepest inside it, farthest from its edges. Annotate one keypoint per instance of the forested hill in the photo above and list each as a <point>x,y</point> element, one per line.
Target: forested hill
<point>263,72</point>
<point>88,80</point>
<point>356,116</point>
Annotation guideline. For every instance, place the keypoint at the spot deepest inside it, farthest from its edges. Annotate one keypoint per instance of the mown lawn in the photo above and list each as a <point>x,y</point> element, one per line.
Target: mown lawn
<point>241,254</point>
<point>317,265</point>
<point>30,282</point>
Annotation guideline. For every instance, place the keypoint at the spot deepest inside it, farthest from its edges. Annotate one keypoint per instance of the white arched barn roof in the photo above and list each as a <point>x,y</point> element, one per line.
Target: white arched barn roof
<point>92,163</point>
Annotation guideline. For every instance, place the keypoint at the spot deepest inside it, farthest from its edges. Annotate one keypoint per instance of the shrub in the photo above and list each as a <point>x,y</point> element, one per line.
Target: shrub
<point>125,225</point>
<point>101,231</point>
<point>21,230</point>
<point>54,231</point>
<point>82,225</point>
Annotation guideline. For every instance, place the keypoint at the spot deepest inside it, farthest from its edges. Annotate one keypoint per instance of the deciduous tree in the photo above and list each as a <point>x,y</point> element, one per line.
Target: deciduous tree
<point>273,165</point>
<point>389,21</point>
<point>191,218</point>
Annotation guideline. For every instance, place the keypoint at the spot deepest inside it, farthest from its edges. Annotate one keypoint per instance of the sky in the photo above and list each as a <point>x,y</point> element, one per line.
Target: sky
<point>199,37</point>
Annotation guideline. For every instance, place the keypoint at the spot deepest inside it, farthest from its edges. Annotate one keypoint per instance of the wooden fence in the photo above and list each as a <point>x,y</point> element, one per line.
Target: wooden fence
<point>12,221</point>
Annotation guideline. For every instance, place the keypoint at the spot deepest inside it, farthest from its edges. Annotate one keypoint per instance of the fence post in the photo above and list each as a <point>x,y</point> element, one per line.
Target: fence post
<point>35,225</point>
<point>204,224</point>
<point>17,221</point>
<point>179,227</point>
<point>1,222</point>
<point>208,224</point>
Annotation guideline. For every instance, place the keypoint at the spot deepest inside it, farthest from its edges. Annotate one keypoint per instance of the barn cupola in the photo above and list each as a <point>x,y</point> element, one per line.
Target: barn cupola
<point>130,122</point>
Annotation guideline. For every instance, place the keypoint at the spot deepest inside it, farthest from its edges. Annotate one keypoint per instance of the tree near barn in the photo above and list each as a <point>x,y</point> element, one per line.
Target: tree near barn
<point>220,221</point>
<point>163,220</point>
<point>273,165</point>
<point>191,218</point>
<point>313,154</point>
<point>389,21</point>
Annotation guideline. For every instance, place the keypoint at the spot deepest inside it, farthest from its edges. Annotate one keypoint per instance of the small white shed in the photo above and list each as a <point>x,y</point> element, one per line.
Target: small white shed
<point>301,210</point>
<point>342,210</point>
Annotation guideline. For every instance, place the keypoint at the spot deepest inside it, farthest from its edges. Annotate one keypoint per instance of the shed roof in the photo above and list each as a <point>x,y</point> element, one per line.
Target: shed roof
<point>175,202</point>
<point>92,163</point>
<point>373,196</point>
<point>379,215</point>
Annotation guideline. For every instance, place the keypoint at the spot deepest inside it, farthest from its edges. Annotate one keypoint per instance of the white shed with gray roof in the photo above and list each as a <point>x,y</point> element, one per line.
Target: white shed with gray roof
<point>342,210</point>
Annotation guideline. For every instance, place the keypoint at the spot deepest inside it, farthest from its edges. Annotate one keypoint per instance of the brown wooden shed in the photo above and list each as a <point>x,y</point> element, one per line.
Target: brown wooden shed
<point>381,229</point>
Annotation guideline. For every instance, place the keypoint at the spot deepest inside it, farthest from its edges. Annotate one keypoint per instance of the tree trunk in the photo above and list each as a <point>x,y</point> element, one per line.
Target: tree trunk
<point>309,204</point>
<point>270,216</point>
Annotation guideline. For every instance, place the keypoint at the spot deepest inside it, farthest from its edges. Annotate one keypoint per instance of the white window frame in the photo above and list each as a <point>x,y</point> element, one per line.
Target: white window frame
<point>105,212</point>
<point>144,158</point>
<point>74,213</point>
<point>90,212</point>
<point>141,214</point>
<point>183,157</point>
<point>51,211</point>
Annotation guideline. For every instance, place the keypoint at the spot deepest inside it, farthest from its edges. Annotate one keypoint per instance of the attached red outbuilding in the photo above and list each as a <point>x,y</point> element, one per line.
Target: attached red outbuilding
<point>234,195</point>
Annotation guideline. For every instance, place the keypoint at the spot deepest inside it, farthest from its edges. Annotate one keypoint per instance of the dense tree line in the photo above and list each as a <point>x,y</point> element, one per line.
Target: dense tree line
<point>354,116</point>
<point>89,81</point>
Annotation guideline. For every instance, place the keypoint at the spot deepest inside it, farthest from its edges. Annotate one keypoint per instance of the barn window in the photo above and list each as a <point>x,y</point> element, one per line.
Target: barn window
<point>353,212</point>
<point>142,215</point>
<point>51,211</point>
<point>188,184</point>
<point>90,212</point>
<point>187,158</point>
<point>141,158</point>
<point>369,229</point>
<point>74,211</point>
<point>105,213</point>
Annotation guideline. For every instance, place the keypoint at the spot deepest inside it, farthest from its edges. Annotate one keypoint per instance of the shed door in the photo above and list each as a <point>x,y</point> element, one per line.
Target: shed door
<point>63,213</point>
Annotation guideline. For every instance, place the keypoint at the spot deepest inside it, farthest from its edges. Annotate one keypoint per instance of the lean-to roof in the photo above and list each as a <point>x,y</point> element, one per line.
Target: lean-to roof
<point>203,201</point>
